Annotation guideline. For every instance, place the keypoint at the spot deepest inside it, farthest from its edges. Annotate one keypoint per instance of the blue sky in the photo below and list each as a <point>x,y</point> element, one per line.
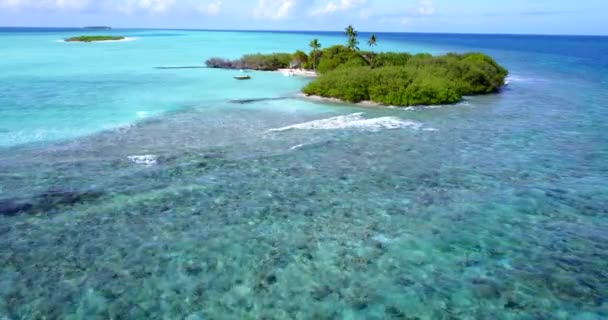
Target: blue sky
<point>467,16</point>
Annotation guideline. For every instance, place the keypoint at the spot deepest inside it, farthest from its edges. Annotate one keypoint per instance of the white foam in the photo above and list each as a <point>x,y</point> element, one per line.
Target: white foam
<point>146,160</point>
<point>354,121</point>
<point>512,78</point>
<point>298,146</point>
<point>127,39</point>
<point>142,114</point>
<point>380,238</point>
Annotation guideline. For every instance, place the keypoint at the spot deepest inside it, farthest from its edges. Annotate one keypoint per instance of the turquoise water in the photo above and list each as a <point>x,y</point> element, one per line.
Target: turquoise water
<point>129,191</point>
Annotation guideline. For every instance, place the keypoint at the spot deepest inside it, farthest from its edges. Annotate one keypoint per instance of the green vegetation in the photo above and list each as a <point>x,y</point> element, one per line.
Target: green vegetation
<point>299,59</point>
<point>94,38</point>
<point>339,56</point>
<point>352,34</point>
<point>262,62</point>
<point>315,45</point>
<point>372,41</point>
<point>389,78</point>
<point>267,61</point>
<point>403,80</point>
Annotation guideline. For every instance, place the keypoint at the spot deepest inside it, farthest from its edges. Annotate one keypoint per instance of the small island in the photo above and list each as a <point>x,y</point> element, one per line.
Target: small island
<point>94,38</point>
<point>388,78</point>
<point>97,28</point>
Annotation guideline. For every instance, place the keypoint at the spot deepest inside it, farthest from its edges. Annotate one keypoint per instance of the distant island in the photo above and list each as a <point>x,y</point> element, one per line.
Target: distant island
<point>97,28</point>
<point>94,38</point>
<point>387,78</point>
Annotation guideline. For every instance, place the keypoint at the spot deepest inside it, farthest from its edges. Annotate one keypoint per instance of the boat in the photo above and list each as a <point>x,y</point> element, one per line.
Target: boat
<point>242,77</point>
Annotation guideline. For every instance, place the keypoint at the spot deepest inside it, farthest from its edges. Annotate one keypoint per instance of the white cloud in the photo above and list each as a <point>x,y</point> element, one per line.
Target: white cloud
<point>405,21</point>
<point>274,9</point>
<point>420,11</point>
<point>211,9</point>
<point>365,14</point>
<point>426,8</point>
<point>335,6</point>
<point>152,6</point>
<point>45,4</point>
<point>128,6</point>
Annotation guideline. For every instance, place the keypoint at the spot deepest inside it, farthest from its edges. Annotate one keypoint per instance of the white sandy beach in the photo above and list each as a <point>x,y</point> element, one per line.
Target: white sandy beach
<point>298,73</point>
<point>336,100</point>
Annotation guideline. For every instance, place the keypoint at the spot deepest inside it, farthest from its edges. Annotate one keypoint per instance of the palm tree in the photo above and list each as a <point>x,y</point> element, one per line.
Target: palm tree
<point>350,31</point>
<point>372,42</point>
<point>315,45</point>
<point>352,37</point>
<point>353,44</point>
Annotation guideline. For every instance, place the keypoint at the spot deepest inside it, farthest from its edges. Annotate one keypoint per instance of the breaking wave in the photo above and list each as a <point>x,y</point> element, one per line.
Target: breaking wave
<point>146,160</point>
<point>354,121</point>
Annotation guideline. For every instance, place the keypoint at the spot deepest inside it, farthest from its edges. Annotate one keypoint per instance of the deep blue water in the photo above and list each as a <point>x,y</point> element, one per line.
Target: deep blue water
<point>128,191</point>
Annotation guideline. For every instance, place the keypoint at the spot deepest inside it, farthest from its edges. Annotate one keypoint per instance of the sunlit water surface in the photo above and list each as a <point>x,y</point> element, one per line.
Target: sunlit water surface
<point>132,192</point>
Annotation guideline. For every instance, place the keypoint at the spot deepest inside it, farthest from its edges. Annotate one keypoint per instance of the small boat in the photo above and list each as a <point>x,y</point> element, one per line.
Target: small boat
<point>242,77</point>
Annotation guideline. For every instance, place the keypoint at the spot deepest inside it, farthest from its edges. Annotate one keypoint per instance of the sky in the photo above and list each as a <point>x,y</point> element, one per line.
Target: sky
<point>587,17</point>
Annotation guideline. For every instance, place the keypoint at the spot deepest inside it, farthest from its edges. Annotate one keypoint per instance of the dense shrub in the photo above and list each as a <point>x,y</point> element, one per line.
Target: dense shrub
<point>389,78</point>
<point>264,62</point>
<point>328,59</point>
<point>405,80</point>
<point>390,59</point>
<point>94,38</point>
<point>220,63</point>
<point>299,59</point>
<point>338,56</point>
<point>349,84</point>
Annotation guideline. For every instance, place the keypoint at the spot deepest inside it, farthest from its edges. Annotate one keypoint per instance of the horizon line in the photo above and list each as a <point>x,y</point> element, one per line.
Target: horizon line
<point>312,31</point>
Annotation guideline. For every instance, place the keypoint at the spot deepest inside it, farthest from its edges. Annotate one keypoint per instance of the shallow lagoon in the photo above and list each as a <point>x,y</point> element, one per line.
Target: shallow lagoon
<point>492,208</point>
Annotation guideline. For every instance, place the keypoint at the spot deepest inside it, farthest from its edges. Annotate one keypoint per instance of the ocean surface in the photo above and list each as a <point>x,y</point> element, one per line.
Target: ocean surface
<point>130,189</point>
